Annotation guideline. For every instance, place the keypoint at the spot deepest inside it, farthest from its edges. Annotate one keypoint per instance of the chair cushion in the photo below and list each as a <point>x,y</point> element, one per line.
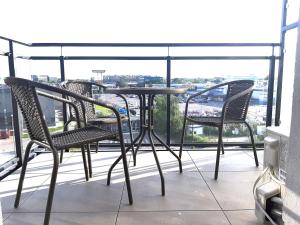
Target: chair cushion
<point>106,120</point>
<point>209,121</point>
<point>81,136</point>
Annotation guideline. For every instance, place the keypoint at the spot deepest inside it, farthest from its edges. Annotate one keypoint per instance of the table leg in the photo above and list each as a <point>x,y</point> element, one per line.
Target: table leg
<point>157,164</point>
<point>143,124</point>
<point>161,141</point>
<point>169,149</point>
<point>150,128</point>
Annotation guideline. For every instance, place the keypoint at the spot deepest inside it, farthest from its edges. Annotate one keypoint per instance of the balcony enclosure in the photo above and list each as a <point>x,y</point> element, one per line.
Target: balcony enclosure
<point>184,63</point>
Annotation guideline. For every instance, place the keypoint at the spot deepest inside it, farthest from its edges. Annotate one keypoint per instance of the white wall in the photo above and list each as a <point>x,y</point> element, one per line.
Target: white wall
<point>292,199</point>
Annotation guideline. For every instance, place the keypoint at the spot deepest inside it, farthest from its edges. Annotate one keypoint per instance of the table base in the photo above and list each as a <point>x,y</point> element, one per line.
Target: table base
<point>147,127</point>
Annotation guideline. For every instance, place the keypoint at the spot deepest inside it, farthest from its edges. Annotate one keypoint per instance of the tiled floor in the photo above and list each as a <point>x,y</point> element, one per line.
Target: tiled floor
<point>192,197</point>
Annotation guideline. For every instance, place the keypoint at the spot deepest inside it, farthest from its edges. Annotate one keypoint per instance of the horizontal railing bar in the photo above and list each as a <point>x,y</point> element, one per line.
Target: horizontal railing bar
<point>115,57</point>
<point>290,26</point>
<point>148,57</point>
<point>39,57</point>
<point>154,44</point>
<point>202,144</point>
<point>79,44</point>
<point>14,41</point>
<point>222,57</point>
<point>3,53</point>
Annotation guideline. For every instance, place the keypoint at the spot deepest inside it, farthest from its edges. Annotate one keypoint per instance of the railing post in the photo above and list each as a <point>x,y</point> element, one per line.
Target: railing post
<point>270,92</point>
<point>62,78</point>
<point>16,122</point>
<point>168,101</point>
<point>280,66</point>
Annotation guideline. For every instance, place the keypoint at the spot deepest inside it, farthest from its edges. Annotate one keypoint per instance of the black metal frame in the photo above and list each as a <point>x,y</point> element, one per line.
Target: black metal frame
<point>146,126</point>
<point>70,118</point>
<point>48,143</point>
<point>284,29</point>
<point>237,118</point>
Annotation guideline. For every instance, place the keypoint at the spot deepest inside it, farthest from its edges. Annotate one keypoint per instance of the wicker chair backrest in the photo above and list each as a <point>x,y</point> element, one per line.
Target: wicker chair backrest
<point>28,102</point>
<point>237,109</point>
<point>84,89</point>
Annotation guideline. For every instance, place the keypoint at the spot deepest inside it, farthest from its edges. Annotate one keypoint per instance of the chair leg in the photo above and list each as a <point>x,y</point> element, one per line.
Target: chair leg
<point>61,155</point>
<point>127,179</point>
<point>253,144</point>
<point>22,174</point>
<point>84,164</point>
<point>222,147</point>
<point>62,151</point>
<point>89,160</point>
<point>218,152</point>
<point>97,147</point>
<point>52,187</point>
<point>182,137</point>
<point>131,139</point>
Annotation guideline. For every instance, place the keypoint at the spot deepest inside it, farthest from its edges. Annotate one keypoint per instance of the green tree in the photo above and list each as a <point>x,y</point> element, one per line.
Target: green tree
<point>160,116</point>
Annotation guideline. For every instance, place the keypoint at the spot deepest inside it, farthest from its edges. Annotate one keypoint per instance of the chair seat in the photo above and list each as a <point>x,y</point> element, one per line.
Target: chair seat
<point>211,121</point>
<point>106,120</point>
<point>80,137</point>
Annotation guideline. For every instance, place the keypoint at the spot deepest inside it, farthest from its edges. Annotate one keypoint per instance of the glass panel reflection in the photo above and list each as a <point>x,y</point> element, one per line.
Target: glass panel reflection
<point>7,146</point>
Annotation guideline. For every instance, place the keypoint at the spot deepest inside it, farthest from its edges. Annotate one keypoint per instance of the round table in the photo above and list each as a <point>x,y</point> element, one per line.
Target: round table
<point>146,97</point>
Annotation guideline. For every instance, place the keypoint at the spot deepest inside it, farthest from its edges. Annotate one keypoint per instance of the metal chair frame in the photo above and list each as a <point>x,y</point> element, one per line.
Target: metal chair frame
<point>230,99</point>
<point>87,109</point>
<point>40,135</point>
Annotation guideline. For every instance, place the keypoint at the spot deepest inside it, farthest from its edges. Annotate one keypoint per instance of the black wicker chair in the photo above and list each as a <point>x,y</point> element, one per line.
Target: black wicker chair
<point>26,96</point>
<point>88,115</point>
<point>234,110</point>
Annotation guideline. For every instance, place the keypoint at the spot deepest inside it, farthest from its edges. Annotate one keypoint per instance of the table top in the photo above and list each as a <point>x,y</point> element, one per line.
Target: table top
<point>145,90</point>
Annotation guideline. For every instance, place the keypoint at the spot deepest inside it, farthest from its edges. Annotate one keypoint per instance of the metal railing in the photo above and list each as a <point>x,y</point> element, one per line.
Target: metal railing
<point>167,58</point>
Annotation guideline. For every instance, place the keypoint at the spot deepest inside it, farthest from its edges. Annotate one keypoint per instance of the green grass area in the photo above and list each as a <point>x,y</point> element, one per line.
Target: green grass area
<point>103,111</point>
<point>196,138</point>
<point>51,130</point>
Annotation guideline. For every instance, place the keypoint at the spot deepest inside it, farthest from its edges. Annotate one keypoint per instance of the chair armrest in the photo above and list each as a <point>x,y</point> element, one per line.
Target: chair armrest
<point>64,84</point>
<point>119,95</point>
<point>200,93</point>
<point>47,95</point>
<point>74,95</point>
<point>206,90</point>
<point>98,85</point>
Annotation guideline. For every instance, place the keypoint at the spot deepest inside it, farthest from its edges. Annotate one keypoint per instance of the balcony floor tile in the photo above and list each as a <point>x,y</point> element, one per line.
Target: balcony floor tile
<point>74,194</point>
<point>186,191</point>
<point>233,190</point>
<point>172,218</point>
<point>167,161</point>
<point>191,197</point>
<point>4,217</point>
<point>43,164</point>
<point>230,161</point>
<point>242,217</point>
<point>101,162</point>
<point>260,156</point>
<point>8,188</point>
<point>99,218</point>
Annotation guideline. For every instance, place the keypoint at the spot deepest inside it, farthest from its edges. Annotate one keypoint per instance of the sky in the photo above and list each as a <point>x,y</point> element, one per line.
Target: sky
<point>134,21</point>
